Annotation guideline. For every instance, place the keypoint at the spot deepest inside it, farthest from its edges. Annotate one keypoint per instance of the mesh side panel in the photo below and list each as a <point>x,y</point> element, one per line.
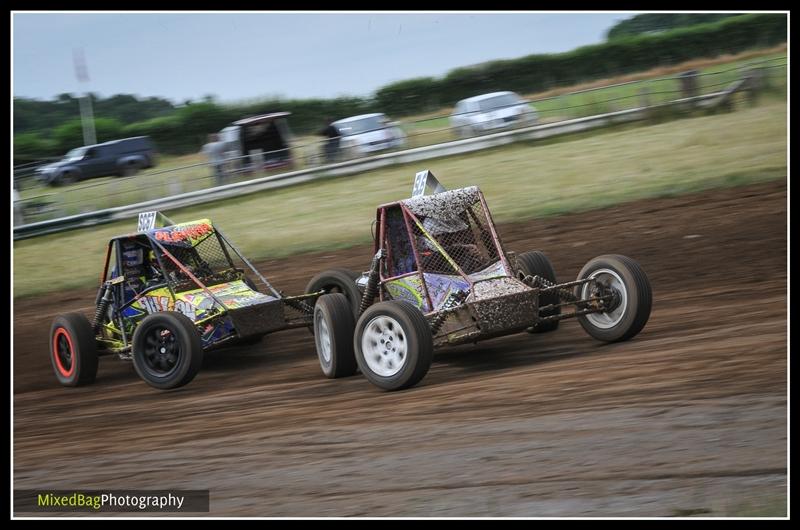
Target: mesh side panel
<point>207,260</point>
<point>252,279</point>
<point>432,259</point>
<point>465,238</point>
<point>486,247</point>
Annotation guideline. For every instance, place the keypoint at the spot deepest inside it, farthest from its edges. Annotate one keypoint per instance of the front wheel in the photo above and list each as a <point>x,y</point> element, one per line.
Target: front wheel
<point>167,350</point>
<point>333,334</point>
<point>73,351</point>
<point>393,345</point>
<point>66,178</point>
<point>630,302</point>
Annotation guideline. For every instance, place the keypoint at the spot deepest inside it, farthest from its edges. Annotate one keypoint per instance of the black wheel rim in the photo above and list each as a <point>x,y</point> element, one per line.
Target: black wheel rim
<point>162,351</point>
<point>330,289</point>
<point>335,289</point>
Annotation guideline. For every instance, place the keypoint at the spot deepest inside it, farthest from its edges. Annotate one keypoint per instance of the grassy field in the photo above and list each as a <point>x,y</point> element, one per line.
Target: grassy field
<point>173,175</point>
<point>565,103</point>
<point>715,77</point>
<point>519,181</point>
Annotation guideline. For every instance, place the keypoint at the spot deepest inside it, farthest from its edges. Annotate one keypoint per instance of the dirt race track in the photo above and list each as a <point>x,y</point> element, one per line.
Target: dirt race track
<point>687,418</point>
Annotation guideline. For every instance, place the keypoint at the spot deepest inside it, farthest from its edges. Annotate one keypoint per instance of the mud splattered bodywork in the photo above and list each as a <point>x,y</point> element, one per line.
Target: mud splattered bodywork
<point>439,252</point>
<point>442,248</point>
<point>442,253</point>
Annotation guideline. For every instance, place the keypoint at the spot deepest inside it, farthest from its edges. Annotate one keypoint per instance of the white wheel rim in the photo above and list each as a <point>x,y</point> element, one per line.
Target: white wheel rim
<point>608,319</point>
<point>323,337</point>
<point>384,346</point>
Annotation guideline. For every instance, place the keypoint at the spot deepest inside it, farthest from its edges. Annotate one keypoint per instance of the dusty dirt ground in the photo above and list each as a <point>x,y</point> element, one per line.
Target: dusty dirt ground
<point>688,418</point>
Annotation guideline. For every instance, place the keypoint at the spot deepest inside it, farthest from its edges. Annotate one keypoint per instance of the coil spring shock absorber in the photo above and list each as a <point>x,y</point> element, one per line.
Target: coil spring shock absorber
<point>298,305</point>
<point>538,281</point>
<point>102,306</point>
<point>372,282</point>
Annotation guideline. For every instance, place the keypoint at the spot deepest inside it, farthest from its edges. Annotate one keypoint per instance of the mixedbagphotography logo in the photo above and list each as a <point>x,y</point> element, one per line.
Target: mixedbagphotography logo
<point>99,501</point>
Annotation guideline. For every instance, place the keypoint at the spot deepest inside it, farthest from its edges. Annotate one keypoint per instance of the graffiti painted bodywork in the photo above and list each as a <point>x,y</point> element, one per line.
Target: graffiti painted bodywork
<point>189,268</point>
<point>185,234</point>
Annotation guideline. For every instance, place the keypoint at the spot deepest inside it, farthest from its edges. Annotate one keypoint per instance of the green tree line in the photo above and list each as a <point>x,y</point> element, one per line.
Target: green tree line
<point>44,129</point>
<point>536,73</point>
<point>658,22</point>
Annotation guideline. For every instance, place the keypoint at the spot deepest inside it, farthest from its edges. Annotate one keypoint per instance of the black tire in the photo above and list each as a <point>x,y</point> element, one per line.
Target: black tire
<point>183,357</point>
<point>73,350</point>
<point>129,170</point>
<point>535,263</point>
<point>338,281</point>
<point>334,325</point>
<point>345,154</point>
<point>638,299</point>
<point>415,334</point>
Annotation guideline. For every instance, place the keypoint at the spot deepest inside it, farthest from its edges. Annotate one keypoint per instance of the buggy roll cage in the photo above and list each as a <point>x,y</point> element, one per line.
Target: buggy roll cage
<point>146,228</point>
<point>426,184</point>
<point>112,289</point>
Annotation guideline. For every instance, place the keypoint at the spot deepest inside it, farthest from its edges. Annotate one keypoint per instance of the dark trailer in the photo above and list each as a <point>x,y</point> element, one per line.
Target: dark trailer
<point>268,134</point>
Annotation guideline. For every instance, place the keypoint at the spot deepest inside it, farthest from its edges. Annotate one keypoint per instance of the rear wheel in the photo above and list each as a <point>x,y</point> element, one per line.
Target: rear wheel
<point>73,351</point>
<point>338,281</point>
<point>167,350</point>
<point>536,263</point>
<point>333,335</point>
<point>629,308</point>
<point>348,153</point>
<point>129,170</point>
<point>393,345</point>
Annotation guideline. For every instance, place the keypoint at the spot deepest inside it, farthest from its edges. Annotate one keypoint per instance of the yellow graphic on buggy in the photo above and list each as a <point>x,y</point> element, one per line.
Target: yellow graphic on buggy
<point>196,303</point>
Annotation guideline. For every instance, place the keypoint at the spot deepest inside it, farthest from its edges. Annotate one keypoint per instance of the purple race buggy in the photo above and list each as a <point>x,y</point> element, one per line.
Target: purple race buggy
<point>441,276</point>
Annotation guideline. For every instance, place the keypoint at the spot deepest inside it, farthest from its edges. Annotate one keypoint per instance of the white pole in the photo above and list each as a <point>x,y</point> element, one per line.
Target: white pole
<point>87,120</point>
<point>85,102</point>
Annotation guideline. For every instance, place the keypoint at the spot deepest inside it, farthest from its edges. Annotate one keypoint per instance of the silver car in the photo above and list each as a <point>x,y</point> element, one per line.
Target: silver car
<point>368,133</point>
<point>487,112</point>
